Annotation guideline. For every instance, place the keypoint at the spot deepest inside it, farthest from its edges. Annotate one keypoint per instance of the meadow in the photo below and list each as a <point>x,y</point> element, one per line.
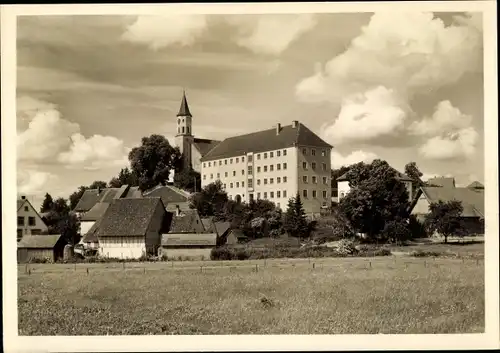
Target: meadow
<point>393,294</point>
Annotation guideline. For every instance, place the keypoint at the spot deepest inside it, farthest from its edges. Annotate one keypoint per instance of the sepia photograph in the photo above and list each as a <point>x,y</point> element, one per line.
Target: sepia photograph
<point>194,170</point>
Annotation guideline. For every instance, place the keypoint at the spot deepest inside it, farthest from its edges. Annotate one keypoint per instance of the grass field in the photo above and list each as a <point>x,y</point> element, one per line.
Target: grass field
<point>337,296</point>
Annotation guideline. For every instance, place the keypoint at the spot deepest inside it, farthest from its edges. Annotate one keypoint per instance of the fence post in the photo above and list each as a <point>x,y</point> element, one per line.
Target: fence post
<point>144,270</point>
<point>370,264</point>
<point>313,265</point>
<point>123,264</point>
<point>87,270</point>
<point>26,268</point>
<point>256,268</point>
<point>201,269</point>
<point>29,272</point>
<point>75,266</point>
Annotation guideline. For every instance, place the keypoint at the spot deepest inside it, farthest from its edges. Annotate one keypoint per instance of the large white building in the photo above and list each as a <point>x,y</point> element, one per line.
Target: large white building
<point>273,164</point>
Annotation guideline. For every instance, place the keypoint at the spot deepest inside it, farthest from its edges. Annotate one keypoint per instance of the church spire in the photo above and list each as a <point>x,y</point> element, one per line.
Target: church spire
<point>184,108</point>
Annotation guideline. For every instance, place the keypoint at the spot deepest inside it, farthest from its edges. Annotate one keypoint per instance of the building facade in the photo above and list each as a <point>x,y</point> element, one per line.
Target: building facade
<point>275,165</point>
<point>29,221</point>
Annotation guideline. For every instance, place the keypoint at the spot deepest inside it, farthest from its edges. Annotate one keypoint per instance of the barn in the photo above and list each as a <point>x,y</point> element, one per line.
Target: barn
<point>187,245</point>
<point>40,247</point>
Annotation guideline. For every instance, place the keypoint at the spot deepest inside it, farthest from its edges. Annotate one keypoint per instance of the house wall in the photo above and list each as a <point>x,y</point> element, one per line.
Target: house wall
<point>153,233</point>
<point>25,254</point>
<point>23,226</point>
<point>85,226</point>
<point>195,158</point>
<point>192,253</point>
<point>343,189</point>
<point>421,207</point>
<point>122,247</point>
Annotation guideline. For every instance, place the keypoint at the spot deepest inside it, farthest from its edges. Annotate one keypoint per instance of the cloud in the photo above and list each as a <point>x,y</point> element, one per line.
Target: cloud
<point>446,117</point>
<point>367,116</point>
<point>354,157</point>
<point>416,53</point>
<point>165,30</point>
<point>50,139</point>
<point>461,144</point>
<point>270,34</point>
<point>33,182</point>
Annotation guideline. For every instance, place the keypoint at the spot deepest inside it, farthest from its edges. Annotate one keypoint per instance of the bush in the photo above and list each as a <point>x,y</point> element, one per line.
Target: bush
<point>422,253</point>
<point>221,253</point>
<point>346,247</point>
<point>417,228</point>
<point>396,231</point>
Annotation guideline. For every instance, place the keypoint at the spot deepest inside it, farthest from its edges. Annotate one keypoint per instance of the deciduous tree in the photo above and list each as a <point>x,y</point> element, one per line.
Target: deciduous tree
<point>445,219</point>
<point>125,177</point>
<point>210,201</point>
<point>188,179</point>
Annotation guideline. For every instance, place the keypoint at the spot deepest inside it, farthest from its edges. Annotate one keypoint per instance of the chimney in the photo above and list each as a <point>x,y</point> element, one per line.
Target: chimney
<point>295,123</point>
<point>177,210</point>
<point>23,197</point>
<point>278,128</point>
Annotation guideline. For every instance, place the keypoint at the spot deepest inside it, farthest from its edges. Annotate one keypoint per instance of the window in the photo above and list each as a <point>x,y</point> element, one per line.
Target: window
<point>249,172</point>
<point>225,174</point>
<point>237,160</point>
<point>284,179</point>
<point>323,153</point>
<point>225,161</point>
<point>265,195</point>
<point>231,185</point>
<point>250,158</point>
<point>234,172</point>
<point>278,194</point>
<point>243,172</point>
<point>278,166</point>
<point>313,165</point>
<point>183,130</point>
<point>284,166</point>
<point>224,186</point>
<point>242,184</point>
<point>284,152</point>
<point>258,181</point>
<point>304,165</point>
<point>284,193</point>
<point>325,180</point>
<point>242,159</point>
<point>265,155</point>
<point>314,193</point>
<point>314,180</point>
<point>324,167</point>
<point>258,156</point>
<point>271,194</point>
<point>26,208</point>
<point>271,180</point>
<point>237,184</point>
<point>304,179</point>
<point>271,154</point>
<point>20,221</point>
<point>258,169</point>
<point>304,151</point>
<point>313,152</point>
<point>250,183</point>
<point>211,176</point>
<point>209,164</point>
<point>204,165</point>
<point>204,177</point>
<point>324,194</point>
<point>271,167</point>
<point>265,181</point>
<point>220,162</point>
<point>278,180</point>
<point>231,161</point>
<point>304,193</point>
<point>258,195</point>
<point>218,175</point>
<point>265,168</point>
<point>250,196</point>
<point>278,153</point>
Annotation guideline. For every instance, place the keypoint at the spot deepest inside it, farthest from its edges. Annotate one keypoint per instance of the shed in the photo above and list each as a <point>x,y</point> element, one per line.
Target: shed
<point>49,247</point>
<point>236,236</point>
<point>193,246</point>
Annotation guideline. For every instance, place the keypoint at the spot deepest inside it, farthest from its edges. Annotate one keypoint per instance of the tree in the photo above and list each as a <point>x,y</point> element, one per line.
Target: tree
<point>47,204</point>
<point>125,177</point>
<point>61,221</point>
<point>396,231</point>
<point>154,160</point>
<point>75,197</point>
<point>188,179</point>
<point>210,201</point>
<point>376,197</point>
<point>261,208</point>
<point>413,172</point>
<point>445,219</point>
<point>98,184</point>
<point>295,219</point>
<point>334,227</point>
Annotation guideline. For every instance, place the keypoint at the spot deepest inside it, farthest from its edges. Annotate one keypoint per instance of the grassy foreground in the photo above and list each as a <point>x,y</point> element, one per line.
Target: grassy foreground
<point>338,296</point>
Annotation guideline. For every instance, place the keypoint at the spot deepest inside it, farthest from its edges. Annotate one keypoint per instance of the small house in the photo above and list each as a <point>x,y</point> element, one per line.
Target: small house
<point>188,245</point>
<point>236,236</point>
<point>40,247</point>
<point>29,221</point>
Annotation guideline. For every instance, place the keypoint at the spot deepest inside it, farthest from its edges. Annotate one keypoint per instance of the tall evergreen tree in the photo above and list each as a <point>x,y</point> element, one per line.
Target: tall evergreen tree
<point>295,218</point>
<point>47,204</point>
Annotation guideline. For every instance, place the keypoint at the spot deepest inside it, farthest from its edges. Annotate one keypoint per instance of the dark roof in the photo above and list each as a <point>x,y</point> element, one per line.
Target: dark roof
<point>444,182</point>
<point>475,185</point>
<point>189,239</point>
<point>96,212</point>
<point>183,206</point>
<point>222,227</point>
<point>208,224</point>
<point>472,200</point>
<point>20,204</point>
<point>168,194</point>
<point>92,196</point>
<point>91,234</point>
<point>266,140</point>
<point>204,146</point>
<point>238,233</point>
<point>39,241</point>
<point>128,217</point>
<point>133,192</point>
<point>186,222</point>
<point>184,108</point>
<point>399,176</point>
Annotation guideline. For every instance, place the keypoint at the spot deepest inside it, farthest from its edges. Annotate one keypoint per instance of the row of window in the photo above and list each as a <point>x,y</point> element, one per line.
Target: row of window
<point>313,166</point>
<point>314,180</point>
<point>313,152</point>
<point>314,194</point>
<point>271,167</point>
<point>184,130</point>
<point>31,221</point>
<point>236,160</point>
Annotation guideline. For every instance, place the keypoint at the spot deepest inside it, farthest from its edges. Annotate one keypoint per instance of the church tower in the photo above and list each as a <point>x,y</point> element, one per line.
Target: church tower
<point>184,137</point>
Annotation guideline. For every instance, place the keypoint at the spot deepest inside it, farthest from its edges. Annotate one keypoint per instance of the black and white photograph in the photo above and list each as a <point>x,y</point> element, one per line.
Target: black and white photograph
<point>279,169</point>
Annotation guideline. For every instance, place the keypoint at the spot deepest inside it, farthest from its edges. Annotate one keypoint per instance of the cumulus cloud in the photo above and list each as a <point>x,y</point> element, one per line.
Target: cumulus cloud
<point>164,30</point>
<point>446,117</point>
<point>32,182</point>
<point>270,34</point>
<point>454,145</point>
<point>417,52</point>
<point>50,139</point>
<point>367,116</point>
<point>339,160</point>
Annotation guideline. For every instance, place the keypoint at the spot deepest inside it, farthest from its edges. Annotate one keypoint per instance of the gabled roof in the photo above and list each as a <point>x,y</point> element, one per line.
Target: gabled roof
<point>189,239</point>
<point>399,176</point>
<point>39,241</point>
<point>204,146</point>
<point>21,202</point>
<point>266,140</point>
<point>129,217</point>
<point>133,192</point>
<point>184,108</point>
<point>475,185</point>
<point>444,182</point>
<point>92,196</point>
<point>208,224</point>
<point>186,222</point>
<point>95,212</point>
<point>168,194</point>
<point>91,235</point>
<point>238,233</point>
<point>472,200</point>
<point>221,228</point>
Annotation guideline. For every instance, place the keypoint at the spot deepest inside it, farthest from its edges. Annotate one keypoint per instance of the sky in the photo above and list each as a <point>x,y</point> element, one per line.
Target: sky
<point>374,85</point>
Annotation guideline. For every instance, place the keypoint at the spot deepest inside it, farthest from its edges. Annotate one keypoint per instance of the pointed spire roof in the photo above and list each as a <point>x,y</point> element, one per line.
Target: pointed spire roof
<point>184,108</point>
